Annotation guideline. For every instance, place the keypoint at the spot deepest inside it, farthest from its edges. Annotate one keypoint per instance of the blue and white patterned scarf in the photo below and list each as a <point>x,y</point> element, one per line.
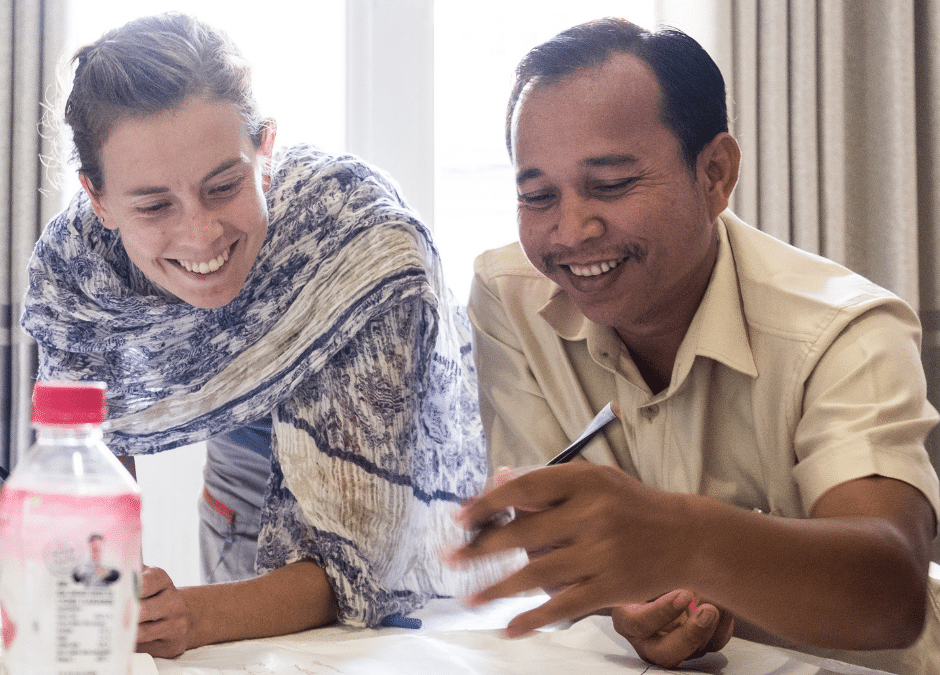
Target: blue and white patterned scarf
<point>342,248</point>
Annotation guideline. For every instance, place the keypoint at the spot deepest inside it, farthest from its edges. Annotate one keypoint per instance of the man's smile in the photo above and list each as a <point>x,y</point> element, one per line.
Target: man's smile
<point>595,265</point>
<point>594,269</point>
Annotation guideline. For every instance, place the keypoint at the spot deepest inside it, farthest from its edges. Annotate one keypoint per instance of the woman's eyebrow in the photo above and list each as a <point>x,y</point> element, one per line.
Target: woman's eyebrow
<point>147,190</point>
<point>223,167</point>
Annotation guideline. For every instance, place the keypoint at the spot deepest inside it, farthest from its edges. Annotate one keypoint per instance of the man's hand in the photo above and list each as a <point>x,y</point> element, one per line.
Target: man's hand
<point>577,519</point>
<point>606,540</point>
<point>165,619</point>
<point>673,628</point>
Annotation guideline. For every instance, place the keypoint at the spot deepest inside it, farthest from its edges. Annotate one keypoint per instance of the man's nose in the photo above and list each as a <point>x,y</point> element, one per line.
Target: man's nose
<point>578,221</point>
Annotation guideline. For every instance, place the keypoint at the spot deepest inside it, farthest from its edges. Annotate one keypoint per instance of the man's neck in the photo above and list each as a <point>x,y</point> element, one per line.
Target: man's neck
<point>654,358</point>
<point>654,343</point>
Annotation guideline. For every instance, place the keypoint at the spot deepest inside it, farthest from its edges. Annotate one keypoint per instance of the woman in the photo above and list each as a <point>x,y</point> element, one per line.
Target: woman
<point>297,303</point>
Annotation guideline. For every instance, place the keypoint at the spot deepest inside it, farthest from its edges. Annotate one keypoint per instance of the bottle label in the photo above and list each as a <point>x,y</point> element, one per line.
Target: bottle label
<point>69,582</point>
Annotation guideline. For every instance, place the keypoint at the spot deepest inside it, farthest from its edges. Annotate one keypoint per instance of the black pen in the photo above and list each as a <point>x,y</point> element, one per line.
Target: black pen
<point>600,420</point>
<point>604,417</point>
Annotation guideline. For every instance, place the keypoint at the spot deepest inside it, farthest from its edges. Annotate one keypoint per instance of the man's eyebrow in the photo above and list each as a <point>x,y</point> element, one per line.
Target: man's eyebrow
<point>527,174</point>
<point>156,190</point>
<point>610,160</point>
<point>591,162</point>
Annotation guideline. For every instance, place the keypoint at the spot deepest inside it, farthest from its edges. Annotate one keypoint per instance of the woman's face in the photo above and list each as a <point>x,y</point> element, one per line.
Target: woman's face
<point>186,190</point>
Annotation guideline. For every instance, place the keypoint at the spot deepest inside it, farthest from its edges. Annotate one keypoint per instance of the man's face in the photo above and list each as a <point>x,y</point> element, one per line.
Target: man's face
<point>608,208</point>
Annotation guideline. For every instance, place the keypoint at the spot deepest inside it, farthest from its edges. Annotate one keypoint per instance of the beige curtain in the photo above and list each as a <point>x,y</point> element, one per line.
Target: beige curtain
<point>836,105</point>
<point>31,36</point>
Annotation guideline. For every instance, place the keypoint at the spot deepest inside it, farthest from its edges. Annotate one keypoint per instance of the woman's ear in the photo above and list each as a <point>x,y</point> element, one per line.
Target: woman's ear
<point>266,150</point>
<point>718,164</point>
<point>96,203</point>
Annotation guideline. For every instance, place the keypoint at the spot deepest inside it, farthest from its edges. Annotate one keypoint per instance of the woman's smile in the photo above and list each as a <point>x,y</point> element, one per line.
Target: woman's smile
<point>206,267</point>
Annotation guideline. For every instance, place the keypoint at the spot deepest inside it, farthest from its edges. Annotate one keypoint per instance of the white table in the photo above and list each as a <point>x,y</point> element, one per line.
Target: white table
<point>453,641</point>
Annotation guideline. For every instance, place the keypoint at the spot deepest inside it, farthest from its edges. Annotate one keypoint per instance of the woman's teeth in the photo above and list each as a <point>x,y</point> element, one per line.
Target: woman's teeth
<point>206,267</point>
<point>593,270</point>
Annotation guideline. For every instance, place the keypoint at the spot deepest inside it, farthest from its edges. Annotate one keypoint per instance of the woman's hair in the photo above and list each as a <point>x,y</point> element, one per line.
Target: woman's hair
<point>148,66</point>
<point>693,90</point>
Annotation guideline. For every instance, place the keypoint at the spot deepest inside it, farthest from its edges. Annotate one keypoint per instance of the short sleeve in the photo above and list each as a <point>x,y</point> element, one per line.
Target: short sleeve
<point>865,408</point>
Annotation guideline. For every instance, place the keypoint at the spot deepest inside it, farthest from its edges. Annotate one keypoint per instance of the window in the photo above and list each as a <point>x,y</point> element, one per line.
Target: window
<point>477,47</point>
<point>277,38</point>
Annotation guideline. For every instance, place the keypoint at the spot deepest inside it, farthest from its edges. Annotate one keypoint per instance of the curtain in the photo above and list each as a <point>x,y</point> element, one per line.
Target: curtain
<point>836,106</point>
<point>31,37</point>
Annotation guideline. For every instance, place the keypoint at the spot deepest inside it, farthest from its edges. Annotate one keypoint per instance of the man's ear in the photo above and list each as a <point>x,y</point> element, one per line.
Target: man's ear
<point>96,203</point>
<point>266,150</point>
<point>717,167</point>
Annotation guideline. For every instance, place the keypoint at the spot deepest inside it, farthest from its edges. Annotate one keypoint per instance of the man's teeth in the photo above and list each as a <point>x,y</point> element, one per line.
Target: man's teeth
<point>205,267</point>
<point>595,269</point>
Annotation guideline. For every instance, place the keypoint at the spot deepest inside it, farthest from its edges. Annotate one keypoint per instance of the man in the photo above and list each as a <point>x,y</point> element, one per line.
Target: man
<point>93,572</point>
<point>769,465</point>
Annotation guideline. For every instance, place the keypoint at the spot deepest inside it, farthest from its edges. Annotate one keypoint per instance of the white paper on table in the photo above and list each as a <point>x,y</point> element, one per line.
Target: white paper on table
<point>453,642</point>
<point>583,648</point>
<point>143,665</point>
<point>438,616</point>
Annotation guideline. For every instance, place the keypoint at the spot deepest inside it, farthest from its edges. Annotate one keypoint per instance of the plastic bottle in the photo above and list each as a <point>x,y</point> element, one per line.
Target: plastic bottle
<point>70,549</point>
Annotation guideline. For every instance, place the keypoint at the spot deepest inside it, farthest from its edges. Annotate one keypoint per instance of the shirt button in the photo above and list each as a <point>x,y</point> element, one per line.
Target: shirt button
<point>649,412</point>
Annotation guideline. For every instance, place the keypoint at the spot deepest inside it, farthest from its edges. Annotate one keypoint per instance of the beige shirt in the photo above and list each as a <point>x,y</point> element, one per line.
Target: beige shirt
<point>795,375</point>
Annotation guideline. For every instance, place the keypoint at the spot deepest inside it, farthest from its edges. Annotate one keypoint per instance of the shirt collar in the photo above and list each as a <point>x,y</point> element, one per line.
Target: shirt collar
<point>718,330</point>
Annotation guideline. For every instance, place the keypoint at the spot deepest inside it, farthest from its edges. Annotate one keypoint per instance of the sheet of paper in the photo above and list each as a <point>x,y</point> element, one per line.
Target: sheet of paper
<point>580,649</point>
<point>143,664</point>
<point>438,616</point>
<point>454,642</point>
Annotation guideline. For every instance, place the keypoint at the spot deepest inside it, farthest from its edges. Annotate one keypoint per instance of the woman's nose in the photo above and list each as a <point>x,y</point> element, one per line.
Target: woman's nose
<point>202,227</point>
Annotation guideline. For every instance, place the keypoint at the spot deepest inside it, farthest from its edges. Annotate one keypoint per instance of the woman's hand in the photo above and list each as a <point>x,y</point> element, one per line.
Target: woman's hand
<point>166,621</point>
<point>672,628</point>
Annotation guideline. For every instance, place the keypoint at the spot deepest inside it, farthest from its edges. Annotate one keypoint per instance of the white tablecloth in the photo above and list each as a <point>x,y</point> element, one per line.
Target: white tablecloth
<point>453,641</point>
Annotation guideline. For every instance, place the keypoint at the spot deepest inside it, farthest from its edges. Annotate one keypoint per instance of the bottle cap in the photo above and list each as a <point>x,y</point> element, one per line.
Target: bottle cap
<point>70,403</point>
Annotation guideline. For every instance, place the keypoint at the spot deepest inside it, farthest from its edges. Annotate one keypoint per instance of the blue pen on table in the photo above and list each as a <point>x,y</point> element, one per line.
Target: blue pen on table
<point>607,414</point>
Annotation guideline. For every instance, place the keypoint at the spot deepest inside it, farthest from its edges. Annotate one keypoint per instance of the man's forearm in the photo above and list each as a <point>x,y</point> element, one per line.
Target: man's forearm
<point>848,583</point>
